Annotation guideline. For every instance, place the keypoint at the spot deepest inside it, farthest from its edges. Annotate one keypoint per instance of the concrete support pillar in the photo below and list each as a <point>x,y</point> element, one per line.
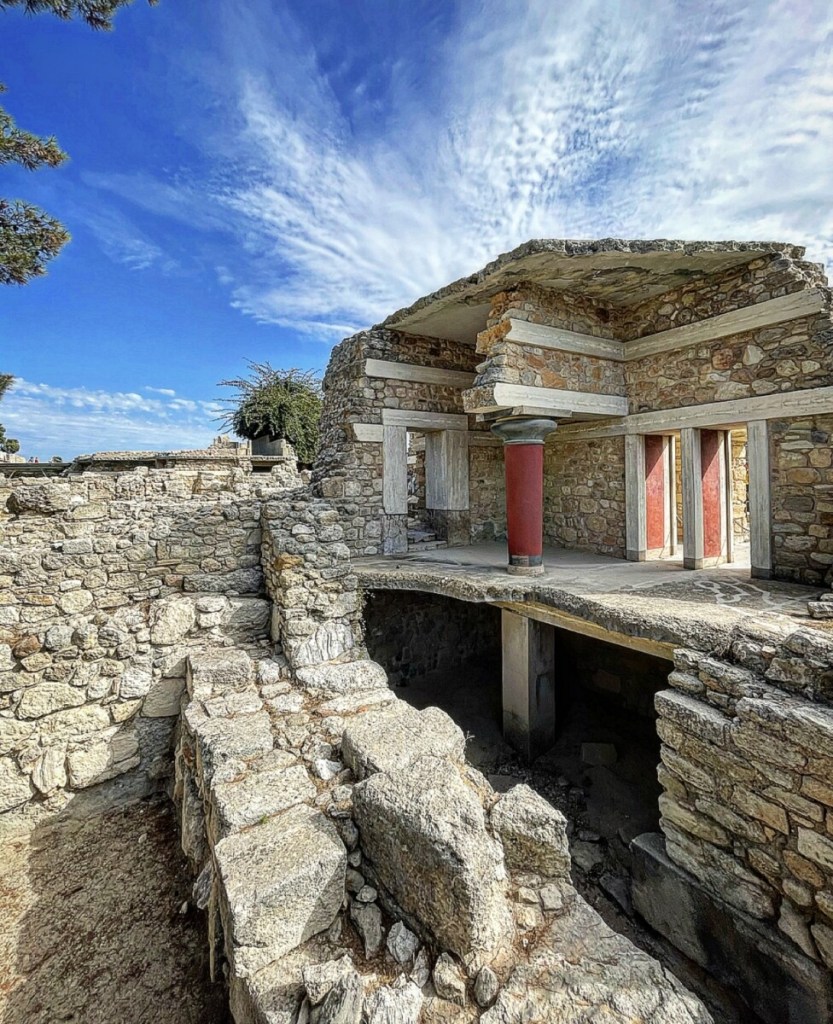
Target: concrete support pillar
<point>447,470</point>
<point>523,452</point>
<point>528,684</point>
<point>395,470</point>
<point>692,498</point>
<point>760,512</point>
<point>704,497</point>
<point>635,501</point>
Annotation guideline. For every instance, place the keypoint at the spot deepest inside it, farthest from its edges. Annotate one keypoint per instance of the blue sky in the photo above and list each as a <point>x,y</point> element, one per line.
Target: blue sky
<point>255,180</point>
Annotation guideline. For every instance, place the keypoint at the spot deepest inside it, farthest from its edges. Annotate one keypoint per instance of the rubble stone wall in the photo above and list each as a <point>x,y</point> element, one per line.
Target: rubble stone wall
<point>415,634</point>
<point>801,452</point>
<point>487,493</point>
<point>107,581</point>
<point>790,356</point>
<point>584,494</point>
<point>747,759</point>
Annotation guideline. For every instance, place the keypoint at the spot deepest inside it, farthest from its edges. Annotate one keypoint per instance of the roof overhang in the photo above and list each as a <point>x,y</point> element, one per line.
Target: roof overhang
<point>611,272</point>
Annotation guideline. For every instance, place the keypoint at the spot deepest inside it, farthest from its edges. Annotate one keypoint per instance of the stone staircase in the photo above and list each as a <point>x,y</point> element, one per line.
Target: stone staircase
<point>421,537</point>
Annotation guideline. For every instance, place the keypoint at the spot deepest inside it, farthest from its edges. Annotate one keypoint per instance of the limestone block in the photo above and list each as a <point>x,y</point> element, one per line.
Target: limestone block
<point>330,640</point>
<point>46,697</point>
<point>171,619</point>
<point>219,740</point>
<point>533,833</point>
<point>320,978</point>
<point>135,682</point>
<point>49,772</point>
<point>75,601</point>
<point>391,738</point>
<point>402,943</point>
<point>239,581</point>
<point>425,833</point>
<point>336,679</point>
<point>400,1003</point>
<point>102,757</point>
<point>259,795</point>
<point>211,674</point>
<point>816,848</point>
<point>45,497</point>
<point>581,971</point>
<point>14,785</point>
<point>281,882</point>
<point>693,716</point>
<point>248,616</point>
<point>163,698</point>
<point>824,941</point>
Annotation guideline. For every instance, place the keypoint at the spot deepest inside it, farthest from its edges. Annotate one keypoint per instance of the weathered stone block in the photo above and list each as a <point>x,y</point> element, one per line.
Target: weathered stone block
<point>425,834</point>
<point>259,795</point>
<point>164,697</point>
<point>171,619</point>
<point>219,740</point>
<point>47,697</point>
<point>693,716</point>
<point>212,674</point>
<point>392,738</point>
<point>14,785</point>
<point>102,757</point>
<point>816,848</point>
<point>281,882</point>
<point>337,679</point>
<point>533,833</point>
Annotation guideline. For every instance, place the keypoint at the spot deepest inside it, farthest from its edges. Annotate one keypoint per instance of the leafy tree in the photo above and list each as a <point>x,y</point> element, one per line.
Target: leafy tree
<point>280,404</point>
<point>30,237</point>
<point>10,445</point>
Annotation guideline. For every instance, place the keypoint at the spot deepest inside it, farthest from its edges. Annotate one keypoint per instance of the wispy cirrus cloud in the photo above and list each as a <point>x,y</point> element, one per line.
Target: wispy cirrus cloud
<point>585,120</point>
<point>588,118</point>
<point>71,421</point>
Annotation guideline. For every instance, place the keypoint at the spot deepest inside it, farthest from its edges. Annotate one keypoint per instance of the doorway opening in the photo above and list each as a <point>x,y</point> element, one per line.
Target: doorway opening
<point>426,530</point>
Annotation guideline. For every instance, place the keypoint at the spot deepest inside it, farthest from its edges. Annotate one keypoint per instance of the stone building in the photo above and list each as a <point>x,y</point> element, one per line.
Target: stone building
<point>645,428</point>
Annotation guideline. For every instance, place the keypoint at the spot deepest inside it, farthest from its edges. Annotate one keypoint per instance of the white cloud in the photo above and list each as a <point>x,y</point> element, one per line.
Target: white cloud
<point>584,119</point>
<point>161,391</point>
<point>70,421</point>
<point>122,241</point>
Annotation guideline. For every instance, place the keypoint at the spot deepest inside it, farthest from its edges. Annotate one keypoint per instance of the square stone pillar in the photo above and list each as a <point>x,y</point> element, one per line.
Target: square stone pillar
<point>447,470</point>
<point>528,684</point>
<point>760,510</point>
<point>395,470</point>
<point>635,523</point>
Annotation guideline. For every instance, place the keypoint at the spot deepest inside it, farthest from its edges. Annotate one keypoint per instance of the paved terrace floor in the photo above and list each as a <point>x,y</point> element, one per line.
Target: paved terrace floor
<point>657,600</point>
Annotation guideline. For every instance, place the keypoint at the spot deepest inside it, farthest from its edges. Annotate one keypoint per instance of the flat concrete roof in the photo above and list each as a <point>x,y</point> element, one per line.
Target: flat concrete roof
<point>611,271</point>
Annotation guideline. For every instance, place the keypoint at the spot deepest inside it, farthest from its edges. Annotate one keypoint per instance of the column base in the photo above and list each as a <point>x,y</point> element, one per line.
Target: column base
<point>525,570</point>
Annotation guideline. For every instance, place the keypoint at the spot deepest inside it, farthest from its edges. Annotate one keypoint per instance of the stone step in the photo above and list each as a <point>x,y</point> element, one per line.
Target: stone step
<point>428,545</point>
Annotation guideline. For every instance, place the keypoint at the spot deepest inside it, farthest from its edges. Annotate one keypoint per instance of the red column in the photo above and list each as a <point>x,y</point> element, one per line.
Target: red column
<point>711,442</point>
<point>523,450</point>
<point>656,499</point>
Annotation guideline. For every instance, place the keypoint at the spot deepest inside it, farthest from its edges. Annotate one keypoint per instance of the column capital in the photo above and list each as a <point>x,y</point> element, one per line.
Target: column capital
<point>523,429</point>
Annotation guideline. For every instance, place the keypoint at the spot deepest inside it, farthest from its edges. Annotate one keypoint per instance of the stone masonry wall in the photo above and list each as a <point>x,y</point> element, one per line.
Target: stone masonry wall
<point>414,634</point>
<point>487,493</point>
<point>107,581</point>
<point>747,760</point>
<point>348,472</point>
<point>584,494</point>
<point>511,363</point>
<point>801,455</point>
<point>789,356</point>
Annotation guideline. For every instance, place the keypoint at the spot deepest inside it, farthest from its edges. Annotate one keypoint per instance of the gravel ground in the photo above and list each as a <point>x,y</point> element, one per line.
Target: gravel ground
<point>94,929</point>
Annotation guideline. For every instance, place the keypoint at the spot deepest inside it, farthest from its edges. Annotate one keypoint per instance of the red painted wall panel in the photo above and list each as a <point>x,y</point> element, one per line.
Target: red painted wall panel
<point>710,444</point>
<point>655,484</point>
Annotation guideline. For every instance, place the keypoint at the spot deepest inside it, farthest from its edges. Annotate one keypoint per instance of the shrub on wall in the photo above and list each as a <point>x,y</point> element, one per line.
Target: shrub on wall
<point>279,404</point>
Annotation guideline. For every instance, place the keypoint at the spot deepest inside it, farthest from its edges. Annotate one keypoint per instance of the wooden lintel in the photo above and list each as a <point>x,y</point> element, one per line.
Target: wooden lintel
<point>575,624</point>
